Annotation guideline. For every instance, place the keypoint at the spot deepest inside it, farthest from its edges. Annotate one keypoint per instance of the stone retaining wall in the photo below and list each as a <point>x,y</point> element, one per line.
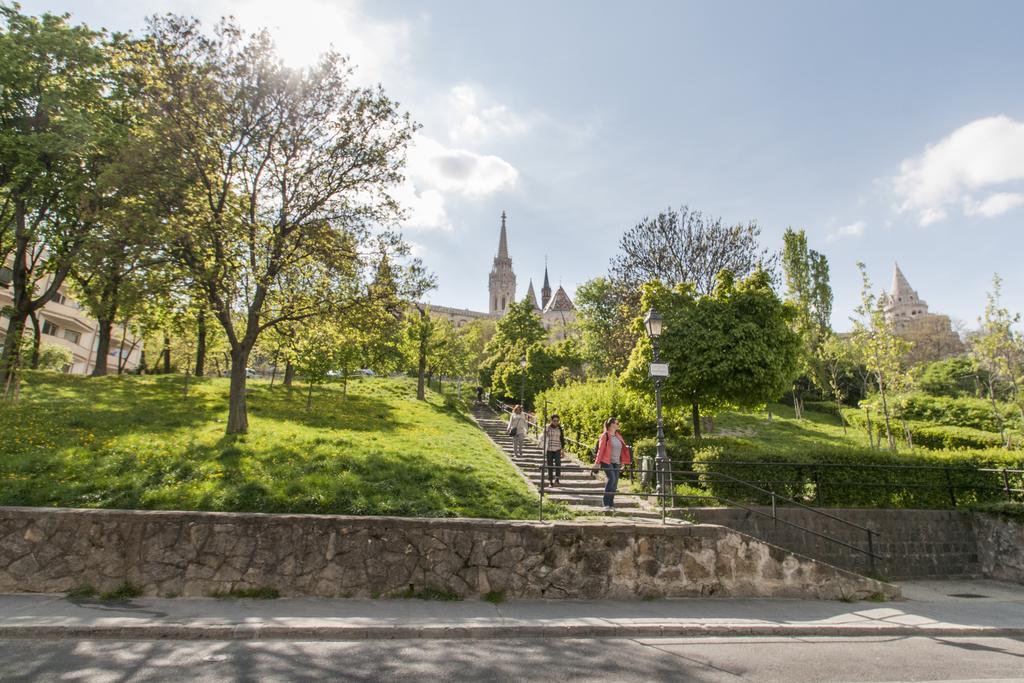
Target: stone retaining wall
<point>1000,547</point>
<point>915,543</point>
<point>202,553</point>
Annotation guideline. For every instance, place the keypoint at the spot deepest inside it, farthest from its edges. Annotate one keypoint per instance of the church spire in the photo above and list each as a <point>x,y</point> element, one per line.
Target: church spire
<point>503,240</point>
<point>900,286</point>
<point>532,297</point>
<point>545,291</point>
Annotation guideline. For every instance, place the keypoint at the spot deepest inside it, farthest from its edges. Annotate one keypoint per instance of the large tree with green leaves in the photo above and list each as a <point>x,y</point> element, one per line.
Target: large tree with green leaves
<point>809,291</point>
<point>293,169</point>
<point>57,92</point>
<point>732,348</point>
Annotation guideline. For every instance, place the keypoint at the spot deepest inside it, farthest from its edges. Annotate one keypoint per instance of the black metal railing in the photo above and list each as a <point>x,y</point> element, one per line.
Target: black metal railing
<point>666,499</point>
<point>951,480</point>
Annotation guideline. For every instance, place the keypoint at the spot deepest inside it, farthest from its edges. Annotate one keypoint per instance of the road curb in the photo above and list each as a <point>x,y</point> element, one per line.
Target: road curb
<point>456,632</point>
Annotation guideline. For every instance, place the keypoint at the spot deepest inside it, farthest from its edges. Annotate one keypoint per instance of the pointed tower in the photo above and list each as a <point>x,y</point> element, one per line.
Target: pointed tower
<point>545,291</point>
<point>531,296</point>
<point>502,282</point>
<point>902,304</point>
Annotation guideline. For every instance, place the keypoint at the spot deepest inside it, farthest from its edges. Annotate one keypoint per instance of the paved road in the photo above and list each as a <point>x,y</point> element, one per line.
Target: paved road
<point>621,660</point>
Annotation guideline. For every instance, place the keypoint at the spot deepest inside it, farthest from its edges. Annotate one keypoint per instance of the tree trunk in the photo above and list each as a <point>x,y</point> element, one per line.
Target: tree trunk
<point>167,354</point>
<point>273,371</point>
<point>421,374</point>
<point>12,353</point>
<point>995,407</point>
<point>695,413</point>
<point>238,416</point>
<point>797,406</point>
<point>309,396</point>
<point>885,412</point>
<point>37,340</point>
<point>871,431</point>
<point>102,348</point>
<point>344,382</point>
<point>200,368</point>
<point>289,374</point>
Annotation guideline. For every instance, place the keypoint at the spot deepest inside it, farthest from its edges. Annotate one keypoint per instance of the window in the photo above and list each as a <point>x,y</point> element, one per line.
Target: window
<point>59,298</point>
<point>72,336</point>
<point>503,303</point>
<point>49,328</point>
<point>6,275</point>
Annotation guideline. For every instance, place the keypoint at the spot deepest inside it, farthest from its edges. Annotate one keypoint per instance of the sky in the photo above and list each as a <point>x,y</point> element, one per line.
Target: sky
<point>889,132</point>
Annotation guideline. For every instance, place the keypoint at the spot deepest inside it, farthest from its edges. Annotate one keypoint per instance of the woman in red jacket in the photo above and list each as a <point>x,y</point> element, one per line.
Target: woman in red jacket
<point>612,455</point>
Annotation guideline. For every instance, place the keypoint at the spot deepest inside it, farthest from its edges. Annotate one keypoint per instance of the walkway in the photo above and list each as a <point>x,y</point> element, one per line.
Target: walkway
<point>933,610</point>
<point>580,490</point>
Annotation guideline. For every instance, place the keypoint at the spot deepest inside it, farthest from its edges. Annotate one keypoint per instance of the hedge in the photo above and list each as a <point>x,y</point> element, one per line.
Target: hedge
<point>835,476</point>
<point>928,435</point>
<point>584,406</point>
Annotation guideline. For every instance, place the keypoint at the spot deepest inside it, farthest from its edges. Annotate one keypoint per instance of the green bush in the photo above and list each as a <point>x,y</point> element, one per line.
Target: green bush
<point>954,438</point>
<point>584,406</point>
<point>836,476</point>
<point>974,413</point>
<point>826,407</point>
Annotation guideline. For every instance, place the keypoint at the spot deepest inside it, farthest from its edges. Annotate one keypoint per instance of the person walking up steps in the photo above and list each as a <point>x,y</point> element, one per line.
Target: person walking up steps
<point>612,455</point>
<point>552,441</point>
<point>517,430</point>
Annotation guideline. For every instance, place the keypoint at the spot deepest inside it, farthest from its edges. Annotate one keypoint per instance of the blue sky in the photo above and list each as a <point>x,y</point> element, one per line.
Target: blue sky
<point>888,131</point>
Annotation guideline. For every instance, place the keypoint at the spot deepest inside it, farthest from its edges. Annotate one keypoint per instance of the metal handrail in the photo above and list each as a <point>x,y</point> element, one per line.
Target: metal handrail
<point>671,495</point>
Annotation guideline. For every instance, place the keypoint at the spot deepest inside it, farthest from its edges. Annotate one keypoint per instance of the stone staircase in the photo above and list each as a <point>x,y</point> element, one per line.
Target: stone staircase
<point>581,491</point>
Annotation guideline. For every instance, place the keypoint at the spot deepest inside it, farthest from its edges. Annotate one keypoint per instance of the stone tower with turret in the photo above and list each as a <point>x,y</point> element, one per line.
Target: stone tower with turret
<point>502,282</point>
<point>902,305</point>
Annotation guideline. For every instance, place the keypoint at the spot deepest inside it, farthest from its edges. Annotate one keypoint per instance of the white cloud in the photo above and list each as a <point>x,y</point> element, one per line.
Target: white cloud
<point>472,117</point>
<point>435,172</point>
<point>304,29</point>
<point>855,229</point>
<point>974,159</point>
<point>435,166</point>
<point>994,205</point>
<point>424,209</point>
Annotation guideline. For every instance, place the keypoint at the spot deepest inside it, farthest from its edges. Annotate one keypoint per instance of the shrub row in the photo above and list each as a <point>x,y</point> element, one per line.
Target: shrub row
<point>932,436</point>
<point>835,476</point>
<point>975,413</point>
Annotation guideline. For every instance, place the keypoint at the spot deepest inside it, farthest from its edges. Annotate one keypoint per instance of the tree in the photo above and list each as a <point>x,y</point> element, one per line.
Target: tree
<point>319,351</point>
<point>514,334</point>
<point>836,359</point>
<point>293,170</point>
<point>603,316</point>
<point>55,134</point>
<point>877,346</point>
<point>677,247</point>
<point>998,351</point>
<point>734,348</point>
<point>808,289</point>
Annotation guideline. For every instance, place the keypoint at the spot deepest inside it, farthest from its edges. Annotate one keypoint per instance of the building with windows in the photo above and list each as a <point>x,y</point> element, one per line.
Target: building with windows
<point>63,322</point>
<point>555,309</point>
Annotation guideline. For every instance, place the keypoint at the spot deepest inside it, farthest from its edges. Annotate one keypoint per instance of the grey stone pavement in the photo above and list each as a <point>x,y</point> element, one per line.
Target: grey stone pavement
<point>930,608</point>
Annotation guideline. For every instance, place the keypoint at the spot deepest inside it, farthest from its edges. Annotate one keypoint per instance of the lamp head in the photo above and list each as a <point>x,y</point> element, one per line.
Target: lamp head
<point>653,322</point>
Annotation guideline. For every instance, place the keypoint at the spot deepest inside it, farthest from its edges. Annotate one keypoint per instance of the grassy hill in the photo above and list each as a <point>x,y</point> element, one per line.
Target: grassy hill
<point>140,442</point>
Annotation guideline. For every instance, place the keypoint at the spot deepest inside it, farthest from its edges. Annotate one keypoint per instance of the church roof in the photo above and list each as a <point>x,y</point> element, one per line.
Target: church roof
<point>532,297</point>
<point>560,302</point>
<point>547,285</point>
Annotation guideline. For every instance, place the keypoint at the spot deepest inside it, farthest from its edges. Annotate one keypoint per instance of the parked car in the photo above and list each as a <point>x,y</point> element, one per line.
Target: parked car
<point>249,372</point>
<point>365,372</point>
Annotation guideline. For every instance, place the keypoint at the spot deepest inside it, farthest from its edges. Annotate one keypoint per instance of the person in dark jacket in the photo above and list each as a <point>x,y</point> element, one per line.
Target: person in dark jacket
<point>552,443</point>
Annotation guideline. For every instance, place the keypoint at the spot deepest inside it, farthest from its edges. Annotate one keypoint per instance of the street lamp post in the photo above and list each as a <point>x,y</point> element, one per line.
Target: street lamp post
<point>522,381</point>
<point>658,371</point>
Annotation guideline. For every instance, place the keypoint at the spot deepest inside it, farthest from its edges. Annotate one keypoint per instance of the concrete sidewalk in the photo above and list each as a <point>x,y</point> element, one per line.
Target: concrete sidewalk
<point>931,609</point>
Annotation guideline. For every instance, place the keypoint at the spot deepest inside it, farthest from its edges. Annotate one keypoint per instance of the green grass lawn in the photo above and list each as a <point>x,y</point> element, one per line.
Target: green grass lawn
<point>784,433</point>
<point>139,443</point>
